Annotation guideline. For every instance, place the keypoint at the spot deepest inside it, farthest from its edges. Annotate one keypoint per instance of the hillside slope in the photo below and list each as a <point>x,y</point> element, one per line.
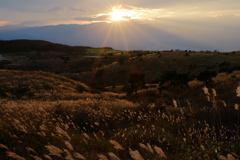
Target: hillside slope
<point>153,64</point>
<point>38,85</point>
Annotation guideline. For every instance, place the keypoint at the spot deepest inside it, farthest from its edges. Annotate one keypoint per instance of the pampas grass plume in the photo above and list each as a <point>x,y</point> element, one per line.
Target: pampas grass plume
<point>102,157</point>
<point>236,107</point>
<point>68,145</point>
<point>61,132</point>
<point>47,157</point>
<point>160,152</point>
<point>149,147</point>
<point>30,149</point>
<point>3,146</point>
<point>205,90</point>
<point>238,91</point>
<point>135,154</point>
<point>36,157</point>
<point>175,103</point>
<point>55,151</point>
<point>230,157</point>
<point>143,146</point>
<point>113,156</point>
<point>14,155</point>
<point>78,155</point>
<point>116,145</point>
<point>68,155</point>
<point>86,135</point>
<point>221,157</point>
<point>214,92</point>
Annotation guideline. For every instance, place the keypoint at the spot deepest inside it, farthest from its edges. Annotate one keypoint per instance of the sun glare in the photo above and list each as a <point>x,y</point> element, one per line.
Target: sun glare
<point>121,14</point>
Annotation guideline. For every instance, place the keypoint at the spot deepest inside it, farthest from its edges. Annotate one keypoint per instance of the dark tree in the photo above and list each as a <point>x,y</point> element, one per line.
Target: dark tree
<point>182,79</point>
<point>168,77</point>
<point>173,78</point>
<point>135,82</point>
<point>206,76</point>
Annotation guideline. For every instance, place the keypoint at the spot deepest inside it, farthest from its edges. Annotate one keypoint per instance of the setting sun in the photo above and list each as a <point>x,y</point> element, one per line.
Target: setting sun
<point>122,14</point>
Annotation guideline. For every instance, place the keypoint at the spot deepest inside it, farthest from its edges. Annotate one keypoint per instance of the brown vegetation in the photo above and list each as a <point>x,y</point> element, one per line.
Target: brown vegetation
<point>50,116</point>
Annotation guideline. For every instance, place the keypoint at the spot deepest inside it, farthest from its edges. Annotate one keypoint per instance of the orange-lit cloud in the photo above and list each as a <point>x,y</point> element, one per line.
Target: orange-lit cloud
<point>4,23</point>
<point>50,12</point>
<point>126,13</point>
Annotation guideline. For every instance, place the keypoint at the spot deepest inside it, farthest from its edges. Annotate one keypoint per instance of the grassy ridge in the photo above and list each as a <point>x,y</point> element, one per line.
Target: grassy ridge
<point>38,85</point>
<point>113,67</point>
<point>152,64</point>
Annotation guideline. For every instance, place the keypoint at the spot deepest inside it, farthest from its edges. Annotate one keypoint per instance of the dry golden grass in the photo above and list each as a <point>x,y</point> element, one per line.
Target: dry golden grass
<point>101,126</point>
<point>38,85</point>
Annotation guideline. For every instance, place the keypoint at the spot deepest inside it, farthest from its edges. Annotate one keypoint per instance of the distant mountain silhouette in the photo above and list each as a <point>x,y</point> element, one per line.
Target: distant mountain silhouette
<point>124,36</point>
<point>22,45</point>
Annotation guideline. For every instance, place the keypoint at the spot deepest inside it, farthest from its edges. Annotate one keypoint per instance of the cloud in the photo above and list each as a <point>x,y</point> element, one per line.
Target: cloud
<point>97,18</point>
<point>84,18</point>
<point>31,23</point>
<point>57,9</point>
<point>4,23</point>
<point>203,4</point>
<point>73,9</point>
<point>102,17</point>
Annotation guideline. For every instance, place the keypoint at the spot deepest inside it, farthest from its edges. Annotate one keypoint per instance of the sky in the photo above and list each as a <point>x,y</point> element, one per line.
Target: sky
<point>215,21</point>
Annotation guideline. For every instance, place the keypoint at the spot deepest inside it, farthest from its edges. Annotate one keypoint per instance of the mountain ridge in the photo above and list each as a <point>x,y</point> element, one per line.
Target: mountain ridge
<point>122,36</point>
<point>26,45</point>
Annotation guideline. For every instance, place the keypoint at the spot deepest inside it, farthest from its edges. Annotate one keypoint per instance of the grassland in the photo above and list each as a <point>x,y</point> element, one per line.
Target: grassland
<point>38,85</point>
<point>153,64</point>
<point>114,67</point>
<point>49,116</point>
<point>91,128</point>
<point>72,125</point>
<point>103,51</point>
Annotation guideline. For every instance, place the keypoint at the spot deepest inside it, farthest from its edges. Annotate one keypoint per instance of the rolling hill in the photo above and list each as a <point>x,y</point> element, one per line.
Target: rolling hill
<point>38,85</point>
<point>108,67</point>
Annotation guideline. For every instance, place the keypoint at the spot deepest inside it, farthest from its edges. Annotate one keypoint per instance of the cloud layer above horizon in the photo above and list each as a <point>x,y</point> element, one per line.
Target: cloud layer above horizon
<point>188,18</point>
<point>54,12</point>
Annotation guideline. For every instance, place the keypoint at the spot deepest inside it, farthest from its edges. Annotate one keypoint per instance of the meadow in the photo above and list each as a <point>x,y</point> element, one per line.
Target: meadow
<point>51,115</point>
<point>108,126</point>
